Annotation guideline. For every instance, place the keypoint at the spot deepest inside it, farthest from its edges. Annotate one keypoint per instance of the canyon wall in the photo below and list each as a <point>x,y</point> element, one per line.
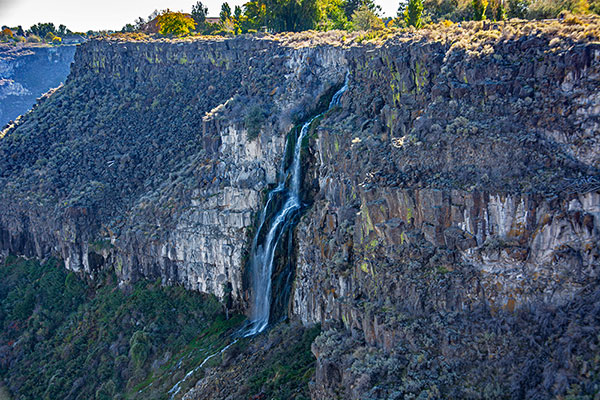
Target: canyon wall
<point>143,161</point>
<point>471,171</point>
<point>27,72</point>
<point>455,189</point>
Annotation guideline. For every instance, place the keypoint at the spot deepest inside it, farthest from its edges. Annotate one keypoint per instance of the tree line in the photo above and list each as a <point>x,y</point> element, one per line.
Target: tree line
<point>323,15</point>
<point>37,33</point>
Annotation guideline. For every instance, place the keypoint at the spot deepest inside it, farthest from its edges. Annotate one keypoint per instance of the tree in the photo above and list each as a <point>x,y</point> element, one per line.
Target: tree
<point>283,15</point>
<point>6,32</point>
<point>225,12</point>
<point>175,23</point>
<point>199,12</point>
<point>479,7</point>
<point>332,15</point>
<point>413,15</point>
<point>518,8</point>
<point>500,12</point>
<point>256,15</point>
<point>351,6</point>
<point>63,30</point>
<point>364,19</point>
<point>128,28</point>
<point>42,29</point>
<point>237,12</point>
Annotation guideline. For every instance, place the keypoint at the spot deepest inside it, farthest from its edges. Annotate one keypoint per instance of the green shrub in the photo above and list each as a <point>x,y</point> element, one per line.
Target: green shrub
<point>139,354</point>
<point>479,7</point>
<point>255,118</point>
<point>413,13</point>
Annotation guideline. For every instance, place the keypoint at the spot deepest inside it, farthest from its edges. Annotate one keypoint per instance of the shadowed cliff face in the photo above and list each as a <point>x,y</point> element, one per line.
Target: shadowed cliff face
<point>143,161</point>
<point>450,180</point>
<point>456,185</point>
<point>28,72</point>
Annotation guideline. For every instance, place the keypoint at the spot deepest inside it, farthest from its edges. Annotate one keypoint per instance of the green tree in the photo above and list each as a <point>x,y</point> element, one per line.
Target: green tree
<point>364,19</point>
<point>292,15</point>
<point>255,13</point>
<point>350,6</point>
<point>63,30</point>
<point>479,7</point>
<point>332,15</point>
<point>128,28</point>
<point>283,15</point>
<point>413,14</point>
<point>237,12</point>
<point>42,29</point>
<point>500,12</point>
<point>175,23</point>
<point>225,12</point>
<point>518,8</point>
<point>199,12</point>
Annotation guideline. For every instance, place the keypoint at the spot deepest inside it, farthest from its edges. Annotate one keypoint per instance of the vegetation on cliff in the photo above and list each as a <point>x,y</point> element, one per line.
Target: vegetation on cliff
<point>64,339</point>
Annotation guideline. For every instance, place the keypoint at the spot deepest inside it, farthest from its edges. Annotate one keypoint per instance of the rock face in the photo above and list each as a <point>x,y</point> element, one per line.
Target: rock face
<point>448,181</point>
<point>455,192</point>
<point>144,159</point>
<point>28,72</point>
<point>446,165</point>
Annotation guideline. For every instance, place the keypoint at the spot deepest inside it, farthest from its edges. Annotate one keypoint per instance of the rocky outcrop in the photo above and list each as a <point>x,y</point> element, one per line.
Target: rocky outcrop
<point>148,166</point>
<point>447,181</point>
<point>28,72</point>
<point>454,192</point>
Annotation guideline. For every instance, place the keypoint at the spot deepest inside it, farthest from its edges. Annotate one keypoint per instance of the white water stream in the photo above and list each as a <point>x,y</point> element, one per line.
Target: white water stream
<point>263,250</point>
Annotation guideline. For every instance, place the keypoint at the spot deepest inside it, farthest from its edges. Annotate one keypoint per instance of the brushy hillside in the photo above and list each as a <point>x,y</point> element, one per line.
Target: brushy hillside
<point>63,339</point>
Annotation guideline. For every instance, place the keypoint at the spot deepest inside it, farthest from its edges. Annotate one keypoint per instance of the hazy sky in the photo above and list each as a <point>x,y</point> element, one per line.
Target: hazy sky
<point>83,15</point>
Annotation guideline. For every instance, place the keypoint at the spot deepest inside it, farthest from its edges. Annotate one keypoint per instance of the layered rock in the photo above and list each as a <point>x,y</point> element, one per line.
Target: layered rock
<point>453,177</point>
<point>455,191</point>
<point>148,166</point>
<point>27,72</point>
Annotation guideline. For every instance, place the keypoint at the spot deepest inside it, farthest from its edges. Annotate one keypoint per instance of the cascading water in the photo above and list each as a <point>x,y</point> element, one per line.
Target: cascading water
<point>286,198</point>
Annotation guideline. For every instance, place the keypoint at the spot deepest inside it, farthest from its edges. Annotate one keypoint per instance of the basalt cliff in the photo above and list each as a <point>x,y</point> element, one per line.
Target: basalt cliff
<point>27,72</point>
<point>449,246</point>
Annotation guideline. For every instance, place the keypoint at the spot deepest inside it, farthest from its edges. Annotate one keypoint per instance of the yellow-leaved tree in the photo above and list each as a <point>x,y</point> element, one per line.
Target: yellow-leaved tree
<point>175,23</point>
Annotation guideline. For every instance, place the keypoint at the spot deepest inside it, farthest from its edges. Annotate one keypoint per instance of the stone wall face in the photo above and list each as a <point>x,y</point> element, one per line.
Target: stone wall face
<point>447,180</point>
<point>169,183</point>
<point>444,183</point>
<point>28,72</point>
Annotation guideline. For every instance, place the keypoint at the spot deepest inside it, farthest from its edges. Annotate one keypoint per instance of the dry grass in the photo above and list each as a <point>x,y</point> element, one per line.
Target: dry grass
<point>475,37</point>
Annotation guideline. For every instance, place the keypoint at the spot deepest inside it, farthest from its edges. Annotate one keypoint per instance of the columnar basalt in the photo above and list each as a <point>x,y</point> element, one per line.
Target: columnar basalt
<point>147,166</point>
<point>454,192</point>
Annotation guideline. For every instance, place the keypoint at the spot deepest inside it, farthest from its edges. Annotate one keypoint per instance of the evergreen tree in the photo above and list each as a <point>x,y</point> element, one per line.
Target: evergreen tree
<point>353,5</point>
<point>42,29</point>
<point>225,12</point>
<point>237,12</point>
<point>199,12</point>
<point>479,7</point>
<point>413,15</point>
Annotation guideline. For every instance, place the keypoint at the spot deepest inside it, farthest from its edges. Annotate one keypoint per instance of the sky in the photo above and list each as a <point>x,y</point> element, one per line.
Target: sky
<point>84,15</point>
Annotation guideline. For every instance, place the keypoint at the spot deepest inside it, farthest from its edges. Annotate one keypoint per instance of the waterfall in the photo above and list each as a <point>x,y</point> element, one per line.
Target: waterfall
<point>287,202</point>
